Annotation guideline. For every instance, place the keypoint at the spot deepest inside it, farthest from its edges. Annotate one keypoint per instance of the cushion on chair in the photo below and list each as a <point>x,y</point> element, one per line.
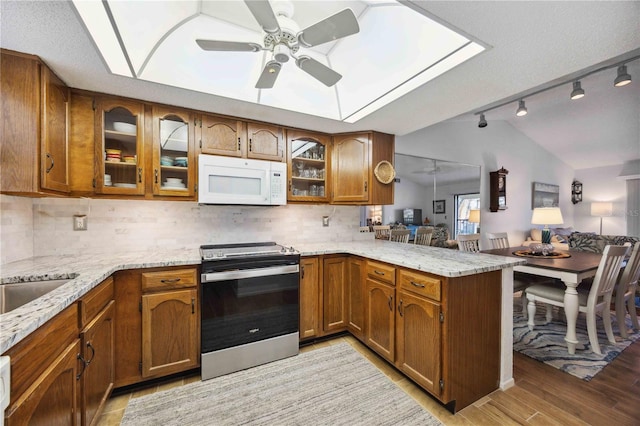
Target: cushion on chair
<point>556,293</point>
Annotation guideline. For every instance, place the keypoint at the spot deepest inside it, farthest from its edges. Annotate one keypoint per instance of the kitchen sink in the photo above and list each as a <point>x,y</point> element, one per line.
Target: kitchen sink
<point>14,295</point>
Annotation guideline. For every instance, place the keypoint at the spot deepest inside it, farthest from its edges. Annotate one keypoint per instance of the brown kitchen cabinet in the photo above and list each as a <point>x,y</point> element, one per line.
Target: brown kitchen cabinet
<point>356,295</point>
<point>381,318</point>
<point>353,161</point>
<point>309,297</point>
<point>308,158</point>
<point>35,107</point>
<point>265,142</point>
<point>157,331</point>
<point>97,317</point>
<point>334,297</point>
<point>119,146</point>
<point>174,159</point>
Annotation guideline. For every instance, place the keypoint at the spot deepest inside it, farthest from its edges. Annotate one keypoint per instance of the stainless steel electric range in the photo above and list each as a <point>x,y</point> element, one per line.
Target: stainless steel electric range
<point>250,308</point>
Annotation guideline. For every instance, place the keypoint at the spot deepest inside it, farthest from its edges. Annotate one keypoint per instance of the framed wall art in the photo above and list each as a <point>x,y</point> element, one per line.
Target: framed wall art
<point>545,195</point>
<point>439,206</point>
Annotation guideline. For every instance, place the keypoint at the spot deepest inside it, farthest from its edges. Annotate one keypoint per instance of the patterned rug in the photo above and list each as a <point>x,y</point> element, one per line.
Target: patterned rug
<point>328,386</point>
<point>546,342</point>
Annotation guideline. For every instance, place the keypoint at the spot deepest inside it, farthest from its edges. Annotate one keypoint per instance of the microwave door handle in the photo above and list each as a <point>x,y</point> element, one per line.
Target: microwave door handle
<point>249,273</point>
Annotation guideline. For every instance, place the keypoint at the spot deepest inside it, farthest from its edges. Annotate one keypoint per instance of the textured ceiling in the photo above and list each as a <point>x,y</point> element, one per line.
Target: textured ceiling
<point>530,45</point>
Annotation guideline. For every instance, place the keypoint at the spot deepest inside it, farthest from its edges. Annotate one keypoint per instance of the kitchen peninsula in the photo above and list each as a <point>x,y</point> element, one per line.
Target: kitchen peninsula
<point>454,267</point>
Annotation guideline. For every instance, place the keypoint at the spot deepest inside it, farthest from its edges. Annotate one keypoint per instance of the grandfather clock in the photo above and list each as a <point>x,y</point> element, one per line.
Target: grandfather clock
<point>498,190</point>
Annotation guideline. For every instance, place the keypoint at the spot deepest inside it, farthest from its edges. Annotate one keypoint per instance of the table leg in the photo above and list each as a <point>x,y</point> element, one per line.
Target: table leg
<point>571,312</point>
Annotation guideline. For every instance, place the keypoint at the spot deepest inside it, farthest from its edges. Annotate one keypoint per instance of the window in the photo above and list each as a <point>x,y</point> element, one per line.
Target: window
<point>464,203</point>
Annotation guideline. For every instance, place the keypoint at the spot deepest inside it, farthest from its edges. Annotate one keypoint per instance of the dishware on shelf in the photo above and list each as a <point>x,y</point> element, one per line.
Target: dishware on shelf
<point>121,126</point>
<point>181,161</point>
<point>165,160</point>
<point>173,180</point>
<point>129,158</point>
<point>125,185</point>
<point>107,180</point>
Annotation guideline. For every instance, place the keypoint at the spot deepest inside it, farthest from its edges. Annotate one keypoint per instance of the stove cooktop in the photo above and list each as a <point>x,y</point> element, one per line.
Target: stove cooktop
<point>227,251</point>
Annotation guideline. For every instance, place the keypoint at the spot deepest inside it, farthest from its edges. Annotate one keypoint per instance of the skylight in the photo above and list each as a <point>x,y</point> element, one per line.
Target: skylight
<point>395,50</point>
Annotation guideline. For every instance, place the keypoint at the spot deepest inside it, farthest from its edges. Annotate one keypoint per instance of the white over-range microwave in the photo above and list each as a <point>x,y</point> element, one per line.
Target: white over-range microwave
<point>229,180</point>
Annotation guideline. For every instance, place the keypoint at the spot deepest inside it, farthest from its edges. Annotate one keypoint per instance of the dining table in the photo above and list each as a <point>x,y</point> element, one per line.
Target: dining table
<point>571,267</point>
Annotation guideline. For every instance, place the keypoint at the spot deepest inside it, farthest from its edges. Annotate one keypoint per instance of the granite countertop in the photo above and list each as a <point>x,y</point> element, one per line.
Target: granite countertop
<point>86,272</point>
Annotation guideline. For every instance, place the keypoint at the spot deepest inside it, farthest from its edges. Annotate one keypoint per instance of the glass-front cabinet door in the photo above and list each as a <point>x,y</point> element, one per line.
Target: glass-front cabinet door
<point>173,152</point>
<point>120,147</point>
<point>308,162</point>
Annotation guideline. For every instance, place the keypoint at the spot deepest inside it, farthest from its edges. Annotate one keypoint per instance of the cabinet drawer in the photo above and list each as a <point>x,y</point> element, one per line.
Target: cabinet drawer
<point>421,284</point>
<point>95,300</point>
<point>164,280</point>
<point>381,272</point>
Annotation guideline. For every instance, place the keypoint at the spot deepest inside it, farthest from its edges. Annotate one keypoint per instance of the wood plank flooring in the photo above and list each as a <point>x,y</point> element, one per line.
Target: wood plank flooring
<point>542,395</point>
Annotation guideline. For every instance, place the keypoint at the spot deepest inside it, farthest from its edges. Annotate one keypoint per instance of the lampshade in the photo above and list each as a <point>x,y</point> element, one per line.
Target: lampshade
<point>601,209</point>
<point>474,216</point>
<point>547,216</point>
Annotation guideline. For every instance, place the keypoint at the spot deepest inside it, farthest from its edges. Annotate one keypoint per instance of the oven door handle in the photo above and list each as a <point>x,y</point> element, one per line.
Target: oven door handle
<point>249,273</point>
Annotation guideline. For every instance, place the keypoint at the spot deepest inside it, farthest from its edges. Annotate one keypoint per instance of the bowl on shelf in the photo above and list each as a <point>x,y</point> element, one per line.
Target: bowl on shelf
<point>174,180</point>
<point>121,126</point>
<point>181,161</point>
<point>129,158</point>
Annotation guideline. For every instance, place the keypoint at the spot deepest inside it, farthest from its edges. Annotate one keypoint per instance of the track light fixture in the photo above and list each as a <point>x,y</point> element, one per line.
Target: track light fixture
<point>578,91</point>
<point>623,78</point>
<point>482,123</point>
<point>522,110</point>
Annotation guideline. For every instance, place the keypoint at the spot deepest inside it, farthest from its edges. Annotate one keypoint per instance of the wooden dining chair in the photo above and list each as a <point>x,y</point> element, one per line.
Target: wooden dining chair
<point>365,229</point>
<point>382,231</point>
<point>469,242</point>
<point>598,298</point>
<point>498,240</point>
<point>399,235</point>
<point>625,292</point>
<point>423,236</point>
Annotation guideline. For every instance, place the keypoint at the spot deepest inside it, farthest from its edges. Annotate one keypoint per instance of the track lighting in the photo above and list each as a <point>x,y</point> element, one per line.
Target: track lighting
<point>578,91</point>
<point>482,123</point>
<point>623,78</point>
<point>522,110</point>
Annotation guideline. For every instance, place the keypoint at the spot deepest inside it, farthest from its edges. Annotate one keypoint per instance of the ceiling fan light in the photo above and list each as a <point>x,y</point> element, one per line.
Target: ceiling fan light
<point>623,77</point>
<point>522,110</point>
<point>281,53</point>
<point>578,91</point>
<point>483,122</point>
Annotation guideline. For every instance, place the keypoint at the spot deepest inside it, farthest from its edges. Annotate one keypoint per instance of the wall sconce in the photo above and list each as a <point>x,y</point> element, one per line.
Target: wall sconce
<point>576,192</point>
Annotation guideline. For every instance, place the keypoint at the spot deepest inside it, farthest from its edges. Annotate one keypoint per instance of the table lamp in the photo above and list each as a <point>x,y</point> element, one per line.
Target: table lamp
<point>474,217</point>
<point>546,216</point>
<point>601,210</point>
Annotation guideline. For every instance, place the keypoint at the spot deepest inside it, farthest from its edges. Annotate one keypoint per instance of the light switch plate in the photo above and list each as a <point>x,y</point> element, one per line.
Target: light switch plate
<point>80,222</point>
<point>325,220</point>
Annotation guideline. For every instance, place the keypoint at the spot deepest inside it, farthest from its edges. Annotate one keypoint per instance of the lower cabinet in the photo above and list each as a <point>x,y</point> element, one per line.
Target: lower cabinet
<point>381,318</point>
<point>356,296</point>
<point>309,298</point>
<point>158,327</point>
<point>334,297</point>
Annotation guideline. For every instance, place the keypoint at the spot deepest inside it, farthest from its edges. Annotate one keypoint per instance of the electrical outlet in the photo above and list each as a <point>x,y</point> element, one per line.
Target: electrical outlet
<point>325,220</point>
<point>80,222</point>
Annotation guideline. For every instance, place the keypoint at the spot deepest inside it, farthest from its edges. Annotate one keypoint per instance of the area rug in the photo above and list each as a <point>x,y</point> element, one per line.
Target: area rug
<point>546,342</point>
<point>328,386</point>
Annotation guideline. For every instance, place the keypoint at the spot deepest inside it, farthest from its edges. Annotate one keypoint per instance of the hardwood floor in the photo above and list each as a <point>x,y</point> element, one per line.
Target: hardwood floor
<point>542,395</point>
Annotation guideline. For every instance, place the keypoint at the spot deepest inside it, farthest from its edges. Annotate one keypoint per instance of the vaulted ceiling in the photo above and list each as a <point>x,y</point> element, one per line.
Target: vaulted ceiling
<point>529,45</point>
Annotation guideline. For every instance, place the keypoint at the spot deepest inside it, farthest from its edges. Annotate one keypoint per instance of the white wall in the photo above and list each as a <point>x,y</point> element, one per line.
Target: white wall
<point>497,145</point>
<point>602,184</point>
<point>408,195</point>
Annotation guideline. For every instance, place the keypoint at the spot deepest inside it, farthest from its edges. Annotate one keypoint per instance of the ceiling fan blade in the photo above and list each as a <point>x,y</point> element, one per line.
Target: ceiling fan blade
<point>261,10</point>
<point>340,25</point>
<point>269,75</point>
<point>317,70</point>
<point>228,46</point>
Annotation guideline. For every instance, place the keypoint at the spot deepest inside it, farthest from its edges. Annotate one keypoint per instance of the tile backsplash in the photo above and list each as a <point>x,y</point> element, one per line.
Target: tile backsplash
<point>44,226</point>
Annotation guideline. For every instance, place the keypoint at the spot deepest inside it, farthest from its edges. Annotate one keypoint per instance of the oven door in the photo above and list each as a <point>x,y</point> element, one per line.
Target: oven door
<point>244,301</point>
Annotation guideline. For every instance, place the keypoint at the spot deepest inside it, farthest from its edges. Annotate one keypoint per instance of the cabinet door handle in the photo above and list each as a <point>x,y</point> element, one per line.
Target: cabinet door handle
<point>84,366</point>
<point>365,186</point>
<point>417,284</point>
<point>391,303</point>
<point>170,280</point>
<point>156,174</point>
<point>302,272</point>
<point>93,353</point>
<point>289,185</point>
<point>250,145</point>
<point>193,305</point>
<point>400,308</point>
<point>238,144</point>
<point>378,272</point>
<point>51,166</point>
<point>140,174</point>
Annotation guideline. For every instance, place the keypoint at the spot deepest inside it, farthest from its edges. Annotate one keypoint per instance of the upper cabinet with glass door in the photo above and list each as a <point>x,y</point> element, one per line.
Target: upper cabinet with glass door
<point>119,147</point>
<point>308,163</point>
<point>173,152</point>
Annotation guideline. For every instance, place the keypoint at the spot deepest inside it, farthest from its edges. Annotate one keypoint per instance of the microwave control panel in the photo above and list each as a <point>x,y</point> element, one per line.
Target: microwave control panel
<point>279,183</point>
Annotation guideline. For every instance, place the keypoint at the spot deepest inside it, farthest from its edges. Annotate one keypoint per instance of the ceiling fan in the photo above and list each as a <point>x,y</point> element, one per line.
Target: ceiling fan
<point>284,39</point>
